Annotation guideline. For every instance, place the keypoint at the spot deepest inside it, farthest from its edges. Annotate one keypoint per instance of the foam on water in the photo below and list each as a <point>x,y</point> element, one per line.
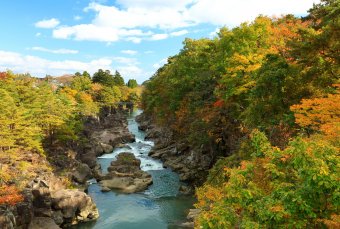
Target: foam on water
<point>158,207</point>
<point>140,148</point>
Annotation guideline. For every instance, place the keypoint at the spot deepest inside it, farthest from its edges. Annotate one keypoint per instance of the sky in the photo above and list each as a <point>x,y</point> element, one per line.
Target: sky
<point>135,37</point>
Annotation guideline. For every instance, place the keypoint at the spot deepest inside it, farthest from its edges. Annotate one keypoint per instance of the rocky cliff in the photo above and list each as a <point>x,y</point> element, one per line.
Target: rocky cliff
<point>48,204</point>
<point>48,200</point>
<point>190,162</point>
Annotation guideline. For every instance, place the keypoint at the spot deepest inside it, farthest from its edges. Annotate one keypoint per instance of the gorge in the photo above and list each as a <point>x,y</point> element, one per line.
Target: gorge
<point>159,206</point>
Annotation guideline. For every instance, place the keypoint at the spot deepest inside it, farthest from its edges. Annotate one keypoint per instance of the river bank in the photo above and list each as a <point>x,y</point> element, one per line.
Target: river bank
<point>54,195</point>
<point>191,163</point>
<point>160,206</point>
<point>49,203</point>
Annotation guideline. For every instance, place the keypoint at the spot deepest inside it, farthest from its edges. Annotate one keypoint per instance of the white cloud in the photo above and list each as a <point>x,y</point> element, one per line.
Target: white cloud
<point>87,32</point>
<point>38,34</point>
<point>37,66</point>
<point>137,20</point>
<point>179,33</point>
<point>178,4</point>
<point>135,40</point>
<point>125,60</point>
<point>129,52</point>
<point>97,33</point>
<point>214,33</point>
<point>77,18</point>
<point>159,36</point>
<point>232,13</point>
<point>55,51</point>
<point>47,24</point>
<point>160,63</point>
<point>139,16</point>
<point>149,52</point>
<point>40,67</point>
<point>131,71</point>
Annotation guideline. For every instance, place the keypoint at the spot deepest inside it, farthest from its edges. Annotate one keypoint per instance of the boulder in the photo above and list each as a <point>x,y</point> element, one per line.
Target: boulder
<point>127,184</point>
<point>125,175</point>
<point>48,201</point>
<point>43,223</point>
<point>193,214</point>
<point>186,190</point>
<point>82,173</point>
<point>24,209</point>
<point>7,218</point>
<point>114,136</point>
<point>105,189</point>
<point>57,216</point>
<point>75,206</point>
<point>89,158</point>
<point>106,148</point>
<point>41,199</point>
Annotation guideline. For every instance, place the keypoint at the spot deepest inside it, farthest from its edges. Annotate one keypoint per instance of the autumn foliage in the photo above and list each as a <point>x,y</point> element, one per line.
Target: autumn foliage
<point>9,195</point>
<point>263,97</point>
<point>293,188</point>
<point>38,114</point>
<point>320,114</point>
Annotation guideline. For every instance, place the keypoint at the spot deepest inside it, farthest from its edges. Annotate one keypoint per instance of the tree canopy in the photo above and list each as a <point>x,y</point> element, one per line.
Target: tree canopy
<point>262,97</point>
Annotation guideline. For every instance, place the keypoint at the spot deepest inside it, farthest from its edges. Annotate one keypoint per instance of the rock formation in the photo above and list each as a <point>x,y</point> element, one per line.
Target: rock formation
<point>125,175</point>
<point>192,164</point>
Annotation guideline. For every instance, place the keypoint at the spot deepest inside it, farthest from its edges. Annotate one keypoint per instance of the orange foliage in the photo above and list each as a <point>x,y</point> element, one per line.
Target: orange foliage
<point>96,87</point>
<point>219,103</point>
<point>332,223</point>
<point>9,195</point>
<point>3,75</point>
<point>320,114</point>
<point>284,31</point>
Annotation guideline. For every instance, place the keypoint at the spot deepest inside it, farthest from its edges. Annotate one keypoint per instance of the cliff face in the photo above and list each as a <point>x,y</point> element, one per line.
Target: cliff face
<point>48,201</point>
<point>48,204</point>
<point>100,135</point>
<point>190,162</point>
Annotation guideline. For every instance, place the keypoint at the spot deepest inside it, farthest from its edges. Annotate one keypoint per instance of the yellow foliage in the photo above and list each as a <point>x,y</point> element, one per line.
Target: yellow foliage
<point>320,114</point>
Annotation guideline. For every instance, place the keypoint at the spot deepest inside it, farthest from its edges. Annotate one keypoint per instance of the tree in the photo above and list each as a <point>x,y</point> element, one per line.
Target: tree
<point>81,83</point>
<point>277,88</point>
<point>55,110</point>
<point>320,114</point>
<point>318,54</point>
<point>118,79</point>
<point>132,83</point>
<point>109,96</point>
<point>86,74</point>
<point>17,126</point>
<point>103,77</point>
<point>10,195</point>
<point>292,188</point>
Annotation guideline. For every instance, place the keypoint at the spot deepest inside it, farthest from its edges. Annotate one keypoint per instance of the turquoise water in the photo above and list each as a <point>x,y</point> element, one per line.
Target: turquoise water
<point>160,206</point>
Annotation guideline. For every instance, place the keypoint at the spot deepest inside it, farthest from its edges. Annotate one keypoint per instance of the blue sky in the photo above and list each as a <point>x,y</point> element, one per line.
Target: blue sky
<point>134,37</point>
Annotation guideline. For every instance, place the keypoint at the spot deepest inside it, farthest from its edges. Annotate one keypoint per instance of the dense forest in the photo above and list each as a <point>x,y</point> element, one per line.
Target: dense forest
<point>260,100</point>
<point>40,113</point>
<point>263,100</point>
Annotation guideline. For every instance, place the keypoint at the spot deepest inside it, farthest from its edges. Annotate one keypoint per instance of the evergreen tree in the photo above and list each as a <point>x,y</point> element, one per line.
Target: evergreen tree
<point>132,83</point>
<point>103,77</point>
<point>118,79</point>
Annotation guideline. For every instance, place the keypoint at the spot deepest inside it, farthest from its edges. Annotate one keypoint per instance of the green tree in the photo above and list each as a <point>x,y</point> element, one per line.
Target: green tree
<point>17,129</point>
<point>86,74</point>
<point>103,77</point>
<point>54,111</point>
<point>118,79</point>
<point>132,83</point>
<point>81,83</point>
<point>109,96</point>
<point>292,188</point>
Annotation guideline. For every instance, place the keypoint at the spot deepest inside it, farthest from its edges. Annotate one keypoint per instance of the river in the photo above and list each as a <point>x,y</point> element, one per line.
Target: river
<point>160,206</point>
